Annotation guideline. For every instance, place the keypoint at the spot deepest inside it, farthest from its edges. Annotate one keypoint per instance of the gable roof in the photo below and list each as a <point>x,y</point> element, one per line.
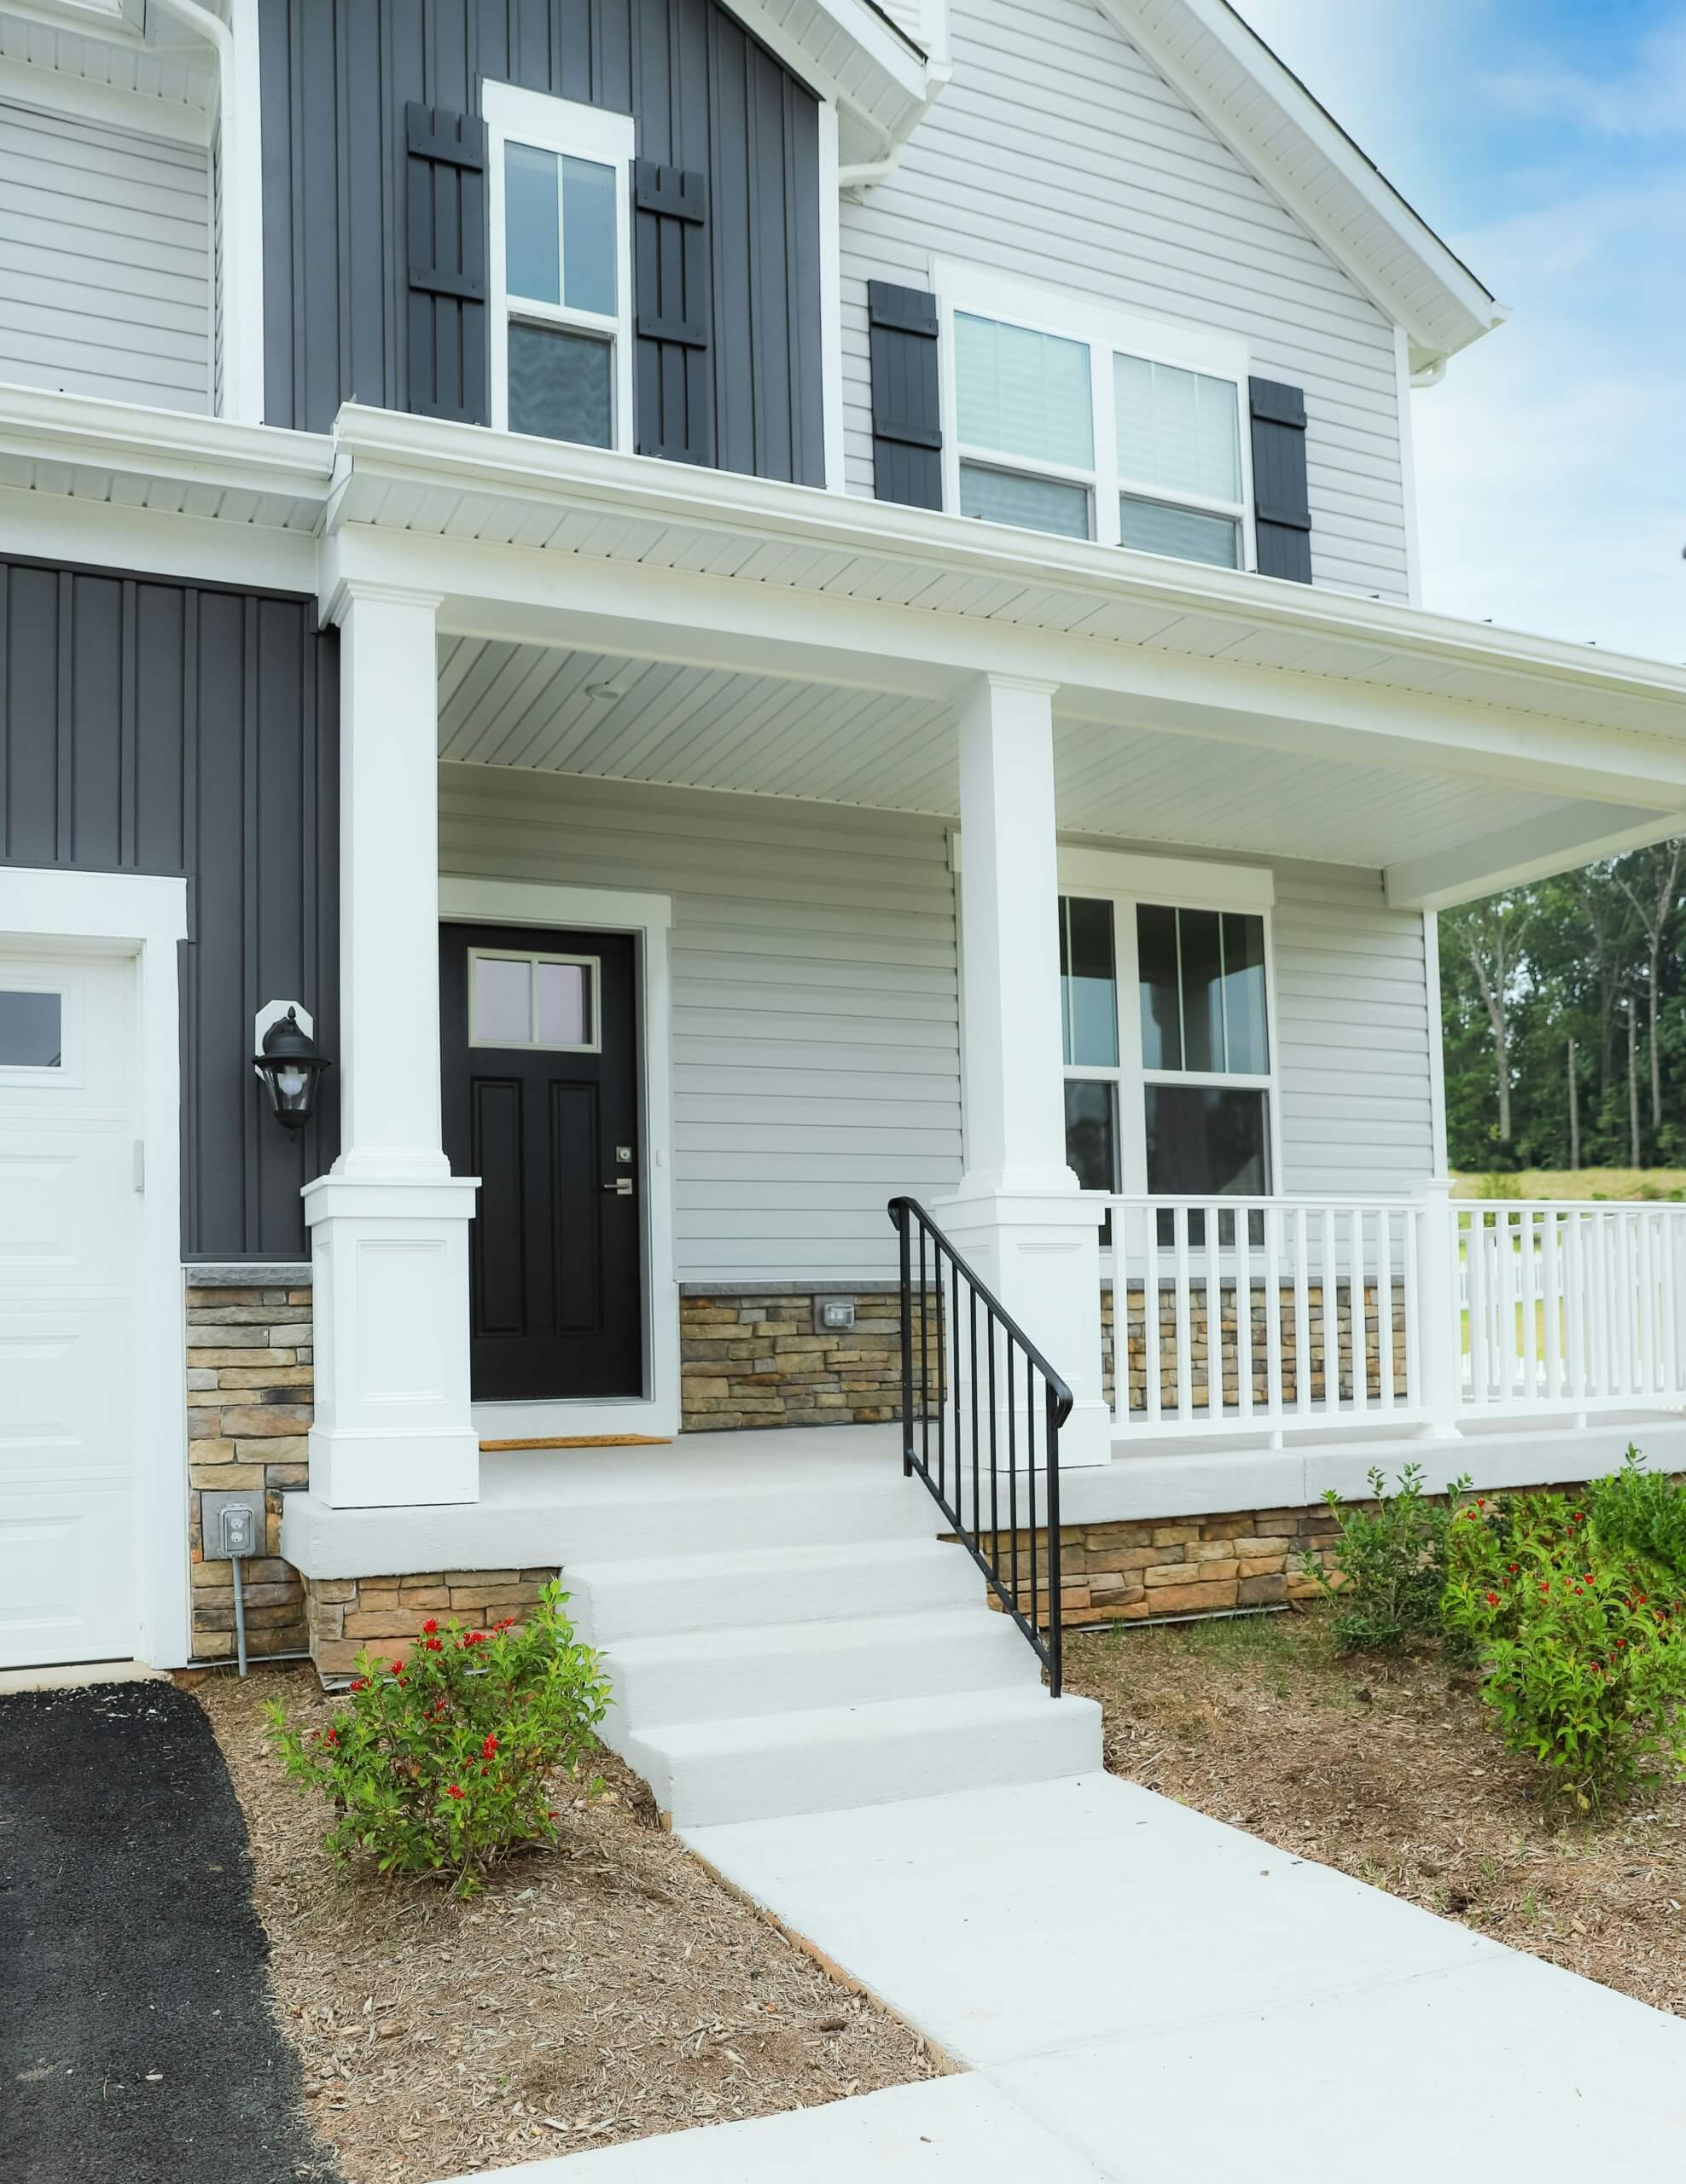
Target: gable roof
<point>1268,118</point>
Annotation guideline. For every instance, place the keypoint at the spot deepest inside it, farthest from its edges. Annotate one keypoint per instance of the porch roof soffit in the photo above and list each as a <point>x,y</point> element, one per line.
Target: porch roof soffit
<point>548,542</point>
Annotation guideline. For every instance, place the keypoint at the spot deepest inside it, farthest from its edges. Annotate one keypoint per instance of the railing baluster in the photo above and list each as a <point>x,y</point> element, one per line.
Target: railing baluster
<point>1551,1285</point>
<point>1475,1315</point>
<point>1416,1381</point>
<point>1030,1488</point>
<point>1384,1307</point>
<point>1530,1287</point>
<point>1669,1244</point>
<point>1153,1351</point>
<point>1328,1294</point>
<point>1645,1328</point>
<point>1598,1239</point>
<point>1243,1219</point>
<point>1275,1402</point>
<point>1056,1615</point>
<point>1302,1314</point>
<point>1575,1328</point>
<point>1185,1348</point>
<point>1214,1318</point>
<point>1360,1317</point>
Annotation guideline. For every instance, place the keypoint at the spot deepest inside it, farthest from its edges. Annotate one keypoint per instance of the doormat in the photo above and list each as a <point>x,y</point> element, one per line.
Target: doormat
<point>581,1441</point>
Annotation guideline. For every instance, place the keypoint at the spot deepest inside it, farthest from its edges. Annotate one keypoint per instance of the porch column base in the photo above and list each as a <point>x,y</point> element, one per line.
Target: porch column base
<point>1040,1253</point>
<point>391,1264</point>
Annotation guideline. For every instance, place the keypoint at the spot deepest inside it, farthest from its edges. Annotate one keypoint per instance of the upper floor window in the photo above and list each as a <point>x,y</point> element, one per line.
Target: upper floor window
<point>561,268</point>
<point>1074,418</point>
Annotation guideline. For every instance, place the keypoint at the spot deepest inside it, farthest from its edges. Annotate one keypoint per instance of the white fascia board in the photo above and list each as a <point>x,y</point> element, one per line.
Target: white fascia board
<point>1195,883</point>
<point>1469,310</point>
<point>83,432</point>
<point>1580,834</point>
<point>381,449</point>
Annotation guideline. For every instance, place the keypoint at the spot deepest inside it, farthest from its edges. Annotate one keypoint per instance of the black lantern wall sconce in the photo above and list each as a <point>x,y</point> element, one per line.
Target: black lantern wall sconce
<point>288,1063</point>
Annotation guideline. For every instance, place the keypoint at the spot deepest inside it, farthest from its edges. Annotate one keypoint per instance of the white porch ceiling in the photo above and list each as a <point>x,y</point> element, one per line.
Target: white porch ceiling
<point>522,706</point>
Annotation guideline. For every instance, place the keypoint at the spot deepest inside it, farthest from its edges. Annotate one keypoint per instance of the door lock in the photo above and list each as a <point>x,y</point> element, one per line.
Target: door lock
<point>621,1189</point>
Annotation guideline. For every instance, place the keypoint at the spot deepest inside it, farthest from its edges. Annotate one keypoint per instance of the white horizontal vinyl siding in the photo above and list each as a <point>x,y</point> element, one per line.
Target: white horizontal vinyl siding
<point>105,261</point>
<point>1355,1048</point>
<point>816,1013</point>
<point>1058,153</point>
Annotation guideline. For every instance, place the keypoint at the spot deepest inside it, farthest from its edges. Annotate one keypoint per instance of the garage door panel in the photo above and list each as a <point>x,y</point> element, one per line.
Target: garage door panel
<point>50,1544</point>
<point>69,1221</point>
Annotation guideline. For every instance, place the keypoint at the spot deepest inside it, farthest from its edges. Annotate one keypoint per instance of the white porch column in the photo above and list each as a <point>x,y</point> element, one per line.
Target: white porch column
<point>1017,1215</point>
<point>389,1223</point>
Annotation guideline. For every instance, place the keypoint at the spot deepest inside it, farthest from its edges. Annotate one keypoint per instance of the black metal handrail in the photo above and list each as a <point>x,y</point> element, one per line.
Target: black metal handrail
<point>978,1390</point>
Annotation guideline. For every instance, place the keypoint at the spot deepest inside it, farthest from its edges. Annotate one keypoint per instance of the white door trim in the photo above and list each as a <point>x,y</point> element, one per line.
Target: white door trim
<point>124,913</point>
<point>648,918</point>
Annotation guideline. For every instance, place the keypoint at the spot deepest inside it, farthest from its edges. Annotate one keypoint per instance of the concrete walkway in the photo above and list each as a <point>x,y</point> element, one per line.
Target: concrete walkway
<point>1135,1990</point>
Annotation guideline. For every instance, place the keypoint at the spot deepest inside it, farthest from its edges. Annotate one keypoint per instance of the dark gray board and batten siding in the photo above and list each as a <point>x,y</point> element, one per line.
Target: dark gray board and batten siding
<point>337,77</point>
<point>149,726</point>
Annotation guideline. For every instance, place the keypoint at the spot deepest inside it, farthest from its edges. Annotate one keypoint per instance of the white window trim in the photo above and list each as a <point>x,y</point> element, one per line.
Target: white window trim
<point>65,1074</point>
<point>592,968</point>
<point>574,131</point>
<point>984,292</point>
<point>648,919</point>
<point>1132,1076</point>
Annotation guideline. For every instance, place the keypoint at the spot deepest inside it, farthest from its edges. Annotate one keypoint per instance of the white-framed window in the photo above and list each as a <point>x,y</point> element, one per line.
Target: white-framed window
<point>562,267</point>
<point>536,999</point>
<point>1169,1045</point>
<point>1066,414</point>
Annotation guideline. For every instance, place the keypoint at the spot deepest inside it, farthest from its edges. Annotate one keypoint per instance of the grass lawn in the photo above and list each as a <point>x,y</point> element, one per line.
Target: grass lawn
<point>1386,1769</point>
<point>1578,1183</point>
<point>607,1990</point>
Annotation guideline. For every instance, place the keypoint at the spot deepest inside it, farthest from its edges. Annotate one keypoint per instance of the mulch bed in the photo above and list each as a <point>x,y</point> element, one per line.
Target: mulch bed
<point>1386,1769</point>
<point>608,1990</point>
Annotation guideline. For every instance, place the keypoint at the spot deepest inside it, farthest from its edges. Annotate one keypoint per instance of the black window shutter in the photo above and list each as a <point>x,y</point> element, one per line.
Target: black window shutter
<point>671,275</point>
<point>1280,509</point>
<point>446,214</point>
<point>907,427</point>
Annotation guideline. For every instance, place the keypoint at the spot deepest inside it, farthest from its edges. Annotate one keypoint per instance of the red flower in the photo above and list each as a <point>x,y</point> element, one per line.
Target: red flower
<point>331,1736</point>
<point>398,1665</point>
<point>474,1638</point>
<point>433,1645</point>
<point>1492,1599</point>
<point>362,1684</point>
<point>452,1790</point>
<point>1621,1642</point>
<point>430,1626</point>
<point>488,1747</point>
<point>1513,1567</point>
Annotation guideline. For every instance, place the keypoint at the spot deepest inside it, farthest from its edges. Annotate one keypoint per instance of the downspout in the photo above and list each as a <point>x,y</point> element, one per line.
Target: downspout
<point>238,400</point>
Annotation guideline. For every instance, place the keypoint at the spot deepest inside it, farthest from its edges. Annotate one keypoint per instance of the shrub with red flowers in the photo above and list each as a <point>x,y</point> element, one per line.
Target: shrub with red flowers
<point>1583,1662</point>
<point>439,1761</point>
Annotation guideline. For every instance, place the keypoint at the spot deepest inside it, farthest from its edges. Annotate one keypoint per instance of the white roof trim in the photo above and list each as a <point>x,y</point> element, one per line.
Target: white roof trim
<point>852,54</point>
<point>1272,122</point>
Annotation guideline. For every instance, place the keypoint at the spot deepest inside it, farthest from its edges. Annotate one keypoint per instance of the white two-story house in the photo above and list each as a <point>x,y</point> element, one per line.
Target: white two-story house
<point>747,611</point>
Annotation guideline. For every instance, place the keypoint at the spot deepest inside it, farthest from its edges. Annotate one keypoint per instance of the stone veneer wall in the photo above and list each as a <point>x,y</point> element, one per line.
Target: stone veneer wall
<point>250,1401</point>
<point>385,1614</point>
<point>755,1360</point>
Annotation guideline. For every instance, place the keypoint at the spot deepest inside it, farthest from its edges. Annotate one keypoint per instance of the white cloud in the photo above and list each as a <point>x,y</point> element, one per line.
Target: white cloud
<point>1549,469</point>
<point>1645,97</point>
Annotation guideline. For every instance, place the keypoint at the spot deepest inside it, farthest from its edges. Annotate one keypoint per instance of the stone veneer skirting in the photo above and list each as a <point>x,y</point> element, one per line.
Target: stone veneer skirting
<point>755,1359</point>
<point>250,1402</point>
<point>385,1614</point>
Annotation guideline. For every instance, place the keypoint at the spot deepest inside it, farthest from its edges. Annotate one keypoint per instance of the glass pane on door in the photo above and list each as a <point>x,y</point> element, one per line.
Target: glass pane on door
<point>500,1002</point>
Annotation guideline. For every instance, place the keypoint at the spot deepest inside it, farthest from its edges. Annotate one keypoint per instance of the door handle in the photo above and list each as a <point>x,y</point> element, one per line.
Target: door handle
<point>621,1189</point>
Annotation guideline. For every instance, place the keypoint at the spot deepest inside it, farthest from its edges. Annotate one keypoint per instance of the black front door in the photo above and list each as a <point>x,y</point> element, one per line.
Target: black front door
<point>540,1059</point>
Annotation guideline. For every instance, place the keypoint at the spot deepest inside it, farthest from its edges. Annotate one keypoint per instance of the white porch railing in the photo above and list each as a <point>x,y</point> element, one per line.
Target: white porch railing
<point>1571,1305</point>
<point>1251,1316</point>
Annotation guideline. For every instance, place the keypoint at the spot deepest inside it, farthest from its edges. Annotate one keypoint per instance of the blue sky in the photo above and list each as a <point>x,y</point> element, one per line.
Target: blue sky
<point>1545,140</point>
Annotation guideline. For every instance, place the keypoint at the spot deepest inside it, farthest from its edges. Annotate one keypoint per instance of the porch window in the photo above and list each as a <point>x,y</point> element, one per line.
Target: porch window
<point>1172,1096</point>
<point>562,366</point>
<point>1088,422</point>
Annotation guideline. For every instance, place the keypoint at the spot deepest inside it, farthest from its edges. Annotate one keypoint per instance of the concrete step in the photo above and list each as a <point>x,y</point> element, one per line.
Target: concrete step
<point>702,1676</point>
<point>736,1518</point>
<point>828,1759</point>
<point>656,1597</point>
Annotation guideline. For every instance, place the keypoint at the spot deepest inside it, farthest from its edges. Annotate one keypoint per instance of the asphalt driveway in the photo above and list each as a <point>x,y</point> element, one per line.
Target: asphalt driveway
<point>135,2042</point>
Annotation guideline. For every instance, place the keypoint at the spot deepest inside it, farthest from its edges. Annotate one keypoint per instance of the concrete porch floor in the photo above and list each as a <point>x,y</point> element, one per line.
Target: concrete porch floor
<point>561,1505</point>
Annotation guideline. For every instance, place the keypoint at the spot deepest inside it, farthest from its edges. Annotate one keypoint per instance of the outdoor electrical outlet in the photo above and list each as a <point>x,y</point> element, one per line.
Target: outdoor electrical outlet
<point>232,1523</point>
<point>834,1315</point>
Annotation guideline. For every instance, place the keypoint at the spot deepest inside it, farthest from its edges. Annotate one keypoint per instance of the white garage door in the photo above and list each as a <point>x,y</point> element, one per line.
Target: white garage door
<point>69,1217</point>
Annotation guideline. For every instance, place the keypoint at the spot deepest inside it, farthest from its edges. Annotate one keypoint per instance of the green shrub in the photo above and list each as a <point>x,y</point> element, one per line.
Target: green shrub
<point>1389,1573</point>
<point>1583,1668</point>
<point>1496,1185</point>
<point>1641,1512</point>
<point>439,1762</point>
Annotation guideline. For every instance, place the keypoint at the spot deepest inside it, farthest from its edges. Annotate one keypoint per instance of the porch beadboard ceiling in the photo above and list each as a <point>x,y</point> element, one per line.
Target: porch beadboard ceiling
<point>551,710</point>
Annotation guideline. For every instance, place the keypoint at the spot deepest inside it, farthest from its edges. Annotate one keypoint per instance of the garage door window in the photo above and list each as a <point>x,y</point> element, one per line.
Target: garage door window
<point>32,1030</point>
